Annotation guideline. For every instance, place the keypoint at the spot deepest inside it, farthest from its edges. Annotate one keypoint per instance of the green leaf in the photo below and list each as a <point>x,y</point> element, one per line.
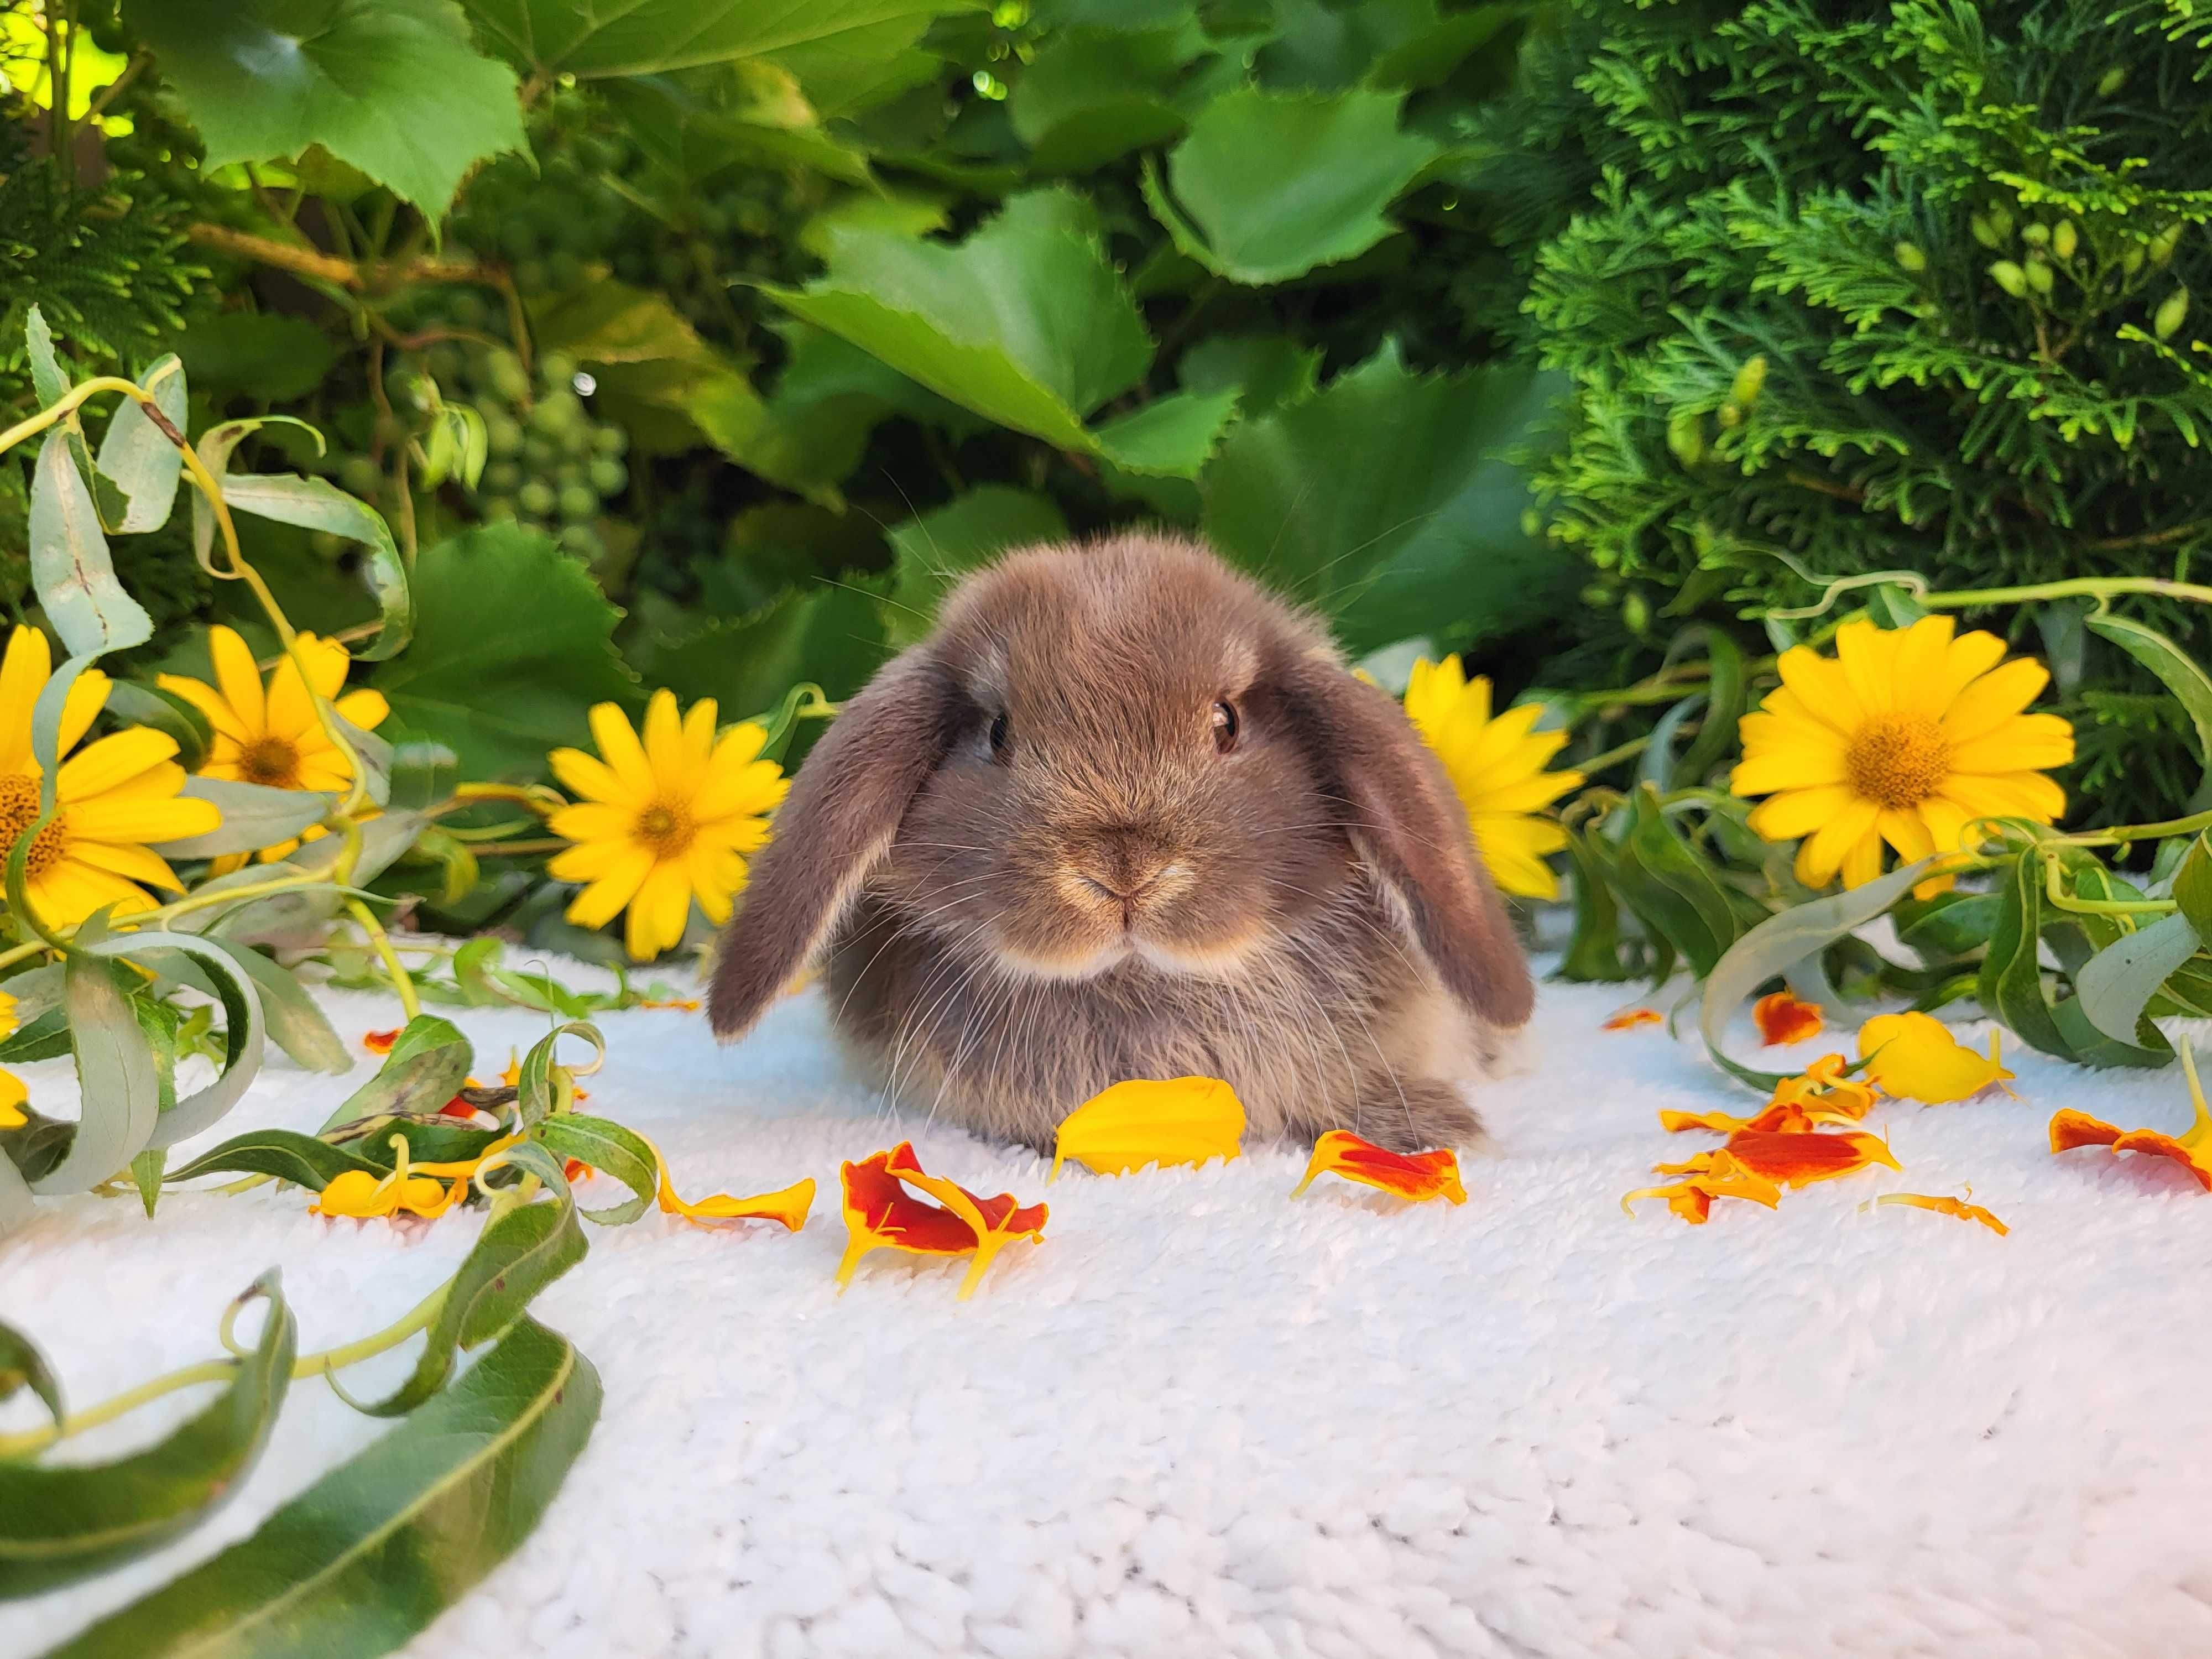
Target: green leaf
<point>71,567</point>
<point>1091,95</point>
<point>832,635</point>
<point>295,1020</point>
<point>166,713</point>
<point>267,354</point>
<point>1268,369</point>
<point>518,1254</point>
<point>2175,668</point>
<point>936,549</point>
<point>2116,984</point>
<point>1725,704</point>
<point>2011,982</point>
<point>429,1063</point>
<point>146,1175</point>
<point>137,456</point>
<point>45,1037</point>
<point>1268,186</point>
<point>254,816</point>
<point>318,504</point>
<point>644,37</point>
<point>116,1077</point>
<point>609,1147</point>
<point>393,88</point>
<point>1025,322</point>
<point>514,645</point>
<point>1382,500</point>
<point>1672,891</point>
<point>1593,953</point>
<point>544,1084</point>
<point>2192,886</point>
<point>376,1550</point>
<point>1169,437</point>
<point>1779,943</point>
<point>221,974</point>
<point>49,384</point>
<point>1949,925</point>
<point>62,1523</point>
<point>21,1366</point>
<point>285,1154</point>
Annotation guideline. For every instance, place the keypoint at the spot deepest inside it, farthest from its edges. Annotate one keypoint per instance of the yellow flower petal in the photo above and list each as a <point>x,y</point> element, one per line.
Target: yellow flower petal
<point>115,760</point>
<point>1186,1120</point>
<point>1913,1056</point>
<point>619,748</point>
<point>238,679</point>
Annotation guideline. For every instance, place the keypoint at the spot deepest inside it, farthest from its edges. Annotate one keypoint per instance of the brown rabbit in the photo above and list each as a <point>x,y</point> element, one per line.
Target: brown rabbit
<point>1125,815</point>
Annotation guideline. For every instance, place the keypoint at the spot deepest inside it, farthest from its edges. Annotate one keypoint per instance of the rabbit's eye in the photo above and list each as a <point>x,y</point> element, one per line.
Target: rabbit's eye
<point>1225,726</point>
<point>1001,735</point>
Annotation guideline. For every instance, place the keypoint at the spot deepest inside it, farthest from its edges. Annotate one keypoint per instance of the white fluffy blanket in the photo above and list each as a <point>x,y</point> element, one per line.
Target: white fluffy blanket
<point>1202,1419</point>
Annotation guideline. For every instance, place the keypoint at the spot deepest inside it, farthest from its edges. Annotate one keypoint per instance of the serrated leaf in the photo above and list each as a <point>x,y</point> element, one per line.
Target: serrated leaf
<point>137,456</point>
<point>58,1524</point>
<point>1169,437</point>
<point>1268,369</point>
<point>647,37</point>
<point>2117,984</point>
<point>609,1147</point>
<point>376,1550</point>
<point>934,549</point>
<point>832,635</point>
<point>1779,944</point>
<point>514,645</point>
<point>517,1255</point>
<point>1267,184</point>
<point>1090,95</point>
<point>1381,499</point>
<point>1024,322</point>
<point>394,88</point>
<point>318,504</point>
<point>70,566</point>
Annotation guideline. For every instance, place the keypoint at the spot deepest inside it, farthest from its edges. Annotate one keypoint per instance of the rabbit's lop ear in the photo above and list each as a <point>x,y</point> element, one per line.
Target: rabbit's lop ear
<point>1408,823</point>
<point>832,830</point>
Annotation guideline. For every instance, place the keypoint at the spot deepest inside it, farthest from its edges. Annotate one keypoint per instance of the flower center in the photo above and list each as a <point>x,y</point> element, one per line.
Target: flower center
<point>270,760</point>
<point>1898,760</point>
<point>18,811</point>
<point>666,828</point>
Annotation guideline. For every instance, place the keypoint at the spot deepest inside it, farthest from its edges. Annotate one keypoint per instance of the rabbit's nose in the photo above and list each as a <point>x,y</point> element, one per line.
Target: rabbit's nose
<point>1124,866</point>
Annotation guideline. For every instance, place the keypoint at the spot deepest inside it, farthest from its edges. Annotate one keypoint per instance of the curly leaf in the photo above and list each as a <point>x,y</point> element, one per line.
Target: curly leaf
<point>607,1145</point>
<point>138,457</point>
<point>63,1523</point>
<point>71,567</point>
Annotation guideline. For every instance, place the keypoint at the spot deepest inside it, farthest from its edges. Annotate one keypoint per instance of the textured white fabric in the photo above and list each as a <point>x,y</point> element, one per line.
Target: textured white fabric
<point>1201,1419</point>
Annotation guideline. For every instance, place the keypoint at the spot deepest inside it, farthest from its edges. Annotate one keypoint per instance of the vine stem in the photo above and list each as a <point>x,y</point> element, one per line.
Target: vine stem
<point>401,981</point>
<point>420,1317</point>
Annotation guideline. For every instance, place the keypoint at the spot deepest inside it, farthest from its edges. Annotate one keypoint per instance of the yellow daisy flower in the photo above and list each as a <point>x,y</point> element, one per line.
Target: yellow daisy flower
<point>1498,767</point>
<point>117,796</point>
<point>268,734</point>
<point>1904,736</point>
<point>662,821</point>
<point>12,1097</point>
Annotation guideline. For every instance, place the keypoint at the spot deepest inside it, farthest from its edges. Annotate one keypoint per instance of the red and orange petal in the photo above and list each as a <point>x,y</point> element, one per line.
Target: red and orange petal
<point>1782,1117</point>
<point>1628,1018</point>
<point>1783,1019</point>
<point>379,1043</point>
<point>1711,1175</point>
<point>2070,1129</point>
<point>1798,1159</point>
<point>1416,1176</point>
<point>880,1213</point>
<point>1957,1206</point>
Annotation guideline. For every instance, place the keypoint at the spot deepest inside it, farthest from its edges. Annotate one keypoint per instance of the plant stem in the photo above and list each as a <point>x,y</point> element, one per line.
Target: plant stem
<point>401,982</point>
<point>418,1318</point>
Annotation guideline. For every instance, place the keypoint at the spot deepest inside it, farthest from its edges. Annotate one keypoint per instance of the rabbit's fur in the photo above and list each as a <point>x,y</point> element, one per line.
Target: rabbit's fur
<point>1126,815</point>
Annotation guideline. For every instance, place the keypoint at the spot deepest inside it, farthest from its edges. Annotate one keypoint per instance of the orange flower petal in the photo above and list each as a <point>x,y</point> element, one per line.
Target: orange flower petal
<point>788,1204</point>
<point>2070,1129</point>
<point>1798,1160</point>
<point>1628,1018</point>
<point>1956,1207</point>
<point>1783,1019</point>
<point>1416,1176</point>
<point>879,1213</point>
<point>1685,1198</point>
<point>2149,1140</point>
<point>379,1043</point>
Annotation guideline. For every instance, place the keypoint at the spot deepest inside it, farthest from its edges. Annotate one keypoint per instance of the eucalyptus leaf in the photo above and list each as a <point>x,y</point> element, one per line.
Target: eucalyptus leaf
<point>609,1147</point>
<point>1779,943</point>
<point>378,1548</point>
<point>22,1366</point>
<point>254,816</point>
<point>141,460</point>
<point>2192,886</point>
<point>166,713</point>
<point>296,1022</point>
<point>63,1522</point>
<point>2175,668</point>
<point>2117,984</point>
<point>2011,982</point>
<point>429,1063</point>
<point>544,1081</point>
<point>284,1154</point>
<point>518,1254</point>
<point>318,504</point>
<point>71,567</point>
<point>243,1031</point>
<point>117,1080</point>
<point>45,1037</point>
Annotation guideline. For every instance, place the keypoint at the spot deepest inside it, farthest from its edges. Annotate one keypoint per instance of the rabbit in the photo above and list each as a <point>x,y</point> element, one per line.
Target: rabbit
<point>1124,814</point>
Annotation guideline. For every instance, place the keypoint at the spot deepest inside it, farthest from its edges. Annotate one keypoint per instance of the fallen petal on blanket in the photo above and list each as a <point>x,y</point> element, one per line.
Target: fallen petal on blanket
<point>1185,1120</point>
<point>379,1042</point>
<point>1914,1057</point>
<point>1788,1159</point>
<point>788,1204</point>
<point>2191,1149</point>
<point>358,1194</point>
<point>1628,1018</point>
<point>880,1214</point>
<point>1716,1175</point>
<point>1781,1018</point>
<point>1957,1206</point>
<point>1821,1094</point>
<point>1417,1175</point>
